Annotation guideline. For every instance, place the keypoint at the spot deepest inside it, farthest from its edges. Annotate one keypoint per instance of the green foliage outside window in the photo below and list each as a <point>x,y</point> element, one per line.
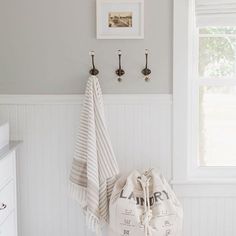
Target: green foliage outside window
<point>217,52</point>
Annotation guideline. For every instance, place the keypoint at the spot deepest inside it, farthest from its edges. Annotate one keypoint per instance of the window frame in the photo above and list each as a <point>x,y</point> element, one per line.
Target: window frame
<point>186,85</point>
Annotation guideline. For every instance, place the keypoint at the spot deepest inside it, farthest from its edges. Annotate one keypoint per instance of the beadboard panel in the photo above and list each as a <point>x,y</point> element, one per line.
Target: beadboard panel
<point>140,128</point>
<point>209,207</point>
<point>209,216</point>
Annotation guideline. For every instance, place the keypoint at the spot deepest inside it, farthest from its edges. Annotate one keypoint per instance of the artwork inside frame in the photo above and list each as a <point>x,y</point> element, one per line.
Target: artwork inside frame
<point>120,19</point>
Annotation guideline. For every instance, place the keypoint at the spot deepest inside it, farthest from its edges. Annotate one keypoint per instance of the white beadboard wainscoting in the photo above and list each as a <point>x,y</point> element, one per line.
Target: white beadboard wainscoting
<point>140,128</point>
<point>209,207</point>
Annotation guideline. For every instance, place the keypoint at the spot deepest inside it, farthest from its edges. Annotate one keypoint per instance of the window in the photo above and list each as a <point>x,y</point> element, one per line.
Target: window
<point>204,91</point>
<point>216,94</point>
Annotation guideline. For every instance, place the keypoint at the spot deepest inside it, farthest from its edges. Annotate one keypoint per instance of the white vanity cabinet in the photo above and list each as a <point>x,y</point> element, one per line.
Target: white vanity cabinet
<point>8,209</point>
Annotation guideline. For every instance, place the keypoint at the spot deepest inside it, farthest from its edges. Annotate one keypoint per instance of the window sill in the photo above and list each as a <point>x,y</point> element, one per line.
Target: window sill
<point>205,188</point>
<point>204,181</point>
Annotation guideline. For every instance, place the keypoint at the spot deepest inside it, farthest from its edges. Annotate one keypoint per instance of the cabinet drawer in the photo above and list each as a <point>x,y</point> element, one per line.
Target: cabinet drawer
<point>6,167</point>
<point>8,228</point>
<point>7,203</point>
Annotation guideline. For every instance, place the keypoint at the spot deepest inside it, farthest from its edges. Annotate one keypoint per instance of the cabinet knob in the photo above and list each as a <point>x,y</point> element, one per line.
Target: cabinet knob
<point>3,206</point>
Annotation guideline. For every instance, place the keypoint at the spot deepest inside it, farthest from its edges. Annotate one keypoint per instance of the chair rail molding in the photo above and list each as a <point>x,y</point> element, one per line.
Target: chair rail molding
<point>78,99</point>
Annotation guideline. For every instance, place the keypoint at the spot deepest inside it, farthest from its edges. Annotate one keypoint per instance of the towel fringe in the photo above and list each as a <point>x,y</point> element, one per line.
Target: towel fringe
<point>79,193</point>
<point>93,222</point>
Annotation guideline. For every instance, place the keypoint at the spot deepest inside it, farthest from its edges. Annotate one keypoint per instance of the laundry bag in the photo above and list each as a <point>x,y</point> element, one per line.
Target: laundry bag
<point>143,204</point>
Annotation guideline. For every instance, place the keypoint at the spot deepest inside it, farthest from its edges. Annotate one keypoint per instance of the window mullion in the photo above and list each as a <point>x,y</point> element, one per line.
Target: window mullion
<point>215,82</point>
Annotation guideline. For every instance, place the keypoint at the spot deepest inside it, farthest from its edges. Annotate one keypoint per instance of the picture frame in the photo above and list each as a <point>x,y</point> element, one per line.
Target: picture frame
<point>120,19</point>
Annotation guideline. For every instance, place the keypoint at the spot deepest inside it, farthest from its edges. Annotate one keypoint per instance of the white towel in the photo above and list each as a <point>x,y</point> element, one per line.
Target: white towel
<point>94,168</point>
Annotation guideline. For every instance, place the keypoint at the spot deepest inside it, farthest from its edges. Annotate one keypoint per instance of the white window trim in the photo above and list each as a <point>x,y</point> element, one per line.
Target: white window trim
<point>185,102</point>
<point>181,85</point>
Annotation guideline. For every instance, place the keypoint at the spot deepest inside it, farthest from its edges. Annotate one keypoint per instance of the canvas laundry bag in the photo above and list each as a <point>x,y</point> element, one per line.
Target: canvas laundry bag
<point>143,204</point>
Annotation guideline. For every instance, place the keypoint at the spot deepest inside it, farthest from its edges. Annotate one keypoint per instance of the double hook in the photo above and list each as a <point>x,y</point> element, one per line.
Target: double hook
<point>146,71</point>
<point>93,71</point>
<point>120,72</point>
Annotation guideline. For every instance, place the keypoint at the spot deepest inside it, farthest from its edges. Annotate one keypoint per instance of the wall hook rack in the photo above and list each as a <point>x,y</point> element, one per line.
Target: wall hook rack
<point>146,71</point>
<point>93,71</point>
<point>120,72</point>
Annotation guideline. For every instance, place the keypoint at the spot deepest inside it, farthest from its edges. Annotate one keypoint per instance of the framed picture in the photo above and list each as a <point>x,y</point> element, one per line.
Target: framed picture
<point>120,19</point>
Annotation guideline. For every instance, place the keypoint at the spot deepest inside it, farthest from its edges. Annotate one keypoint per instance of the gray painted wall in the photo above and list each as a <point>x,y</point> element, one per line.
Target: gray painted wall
<point>44,47</point>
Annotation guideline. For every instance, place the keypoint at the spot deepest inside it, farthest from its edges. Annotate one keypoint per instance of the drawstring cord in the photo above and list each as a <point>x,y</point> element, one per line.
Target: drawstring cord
<point>147,214</point>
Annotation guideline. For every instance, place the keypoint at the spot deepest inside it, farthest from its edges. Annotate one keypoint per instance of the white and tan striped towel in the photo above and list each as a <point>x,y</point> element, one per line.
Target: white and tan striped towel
<point>94,168</point>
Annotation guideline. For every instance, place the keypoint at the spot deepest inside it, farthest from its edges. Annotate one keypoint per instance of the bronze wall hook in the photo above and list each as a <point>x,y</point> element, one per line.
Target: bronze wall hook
<point>93,71</point>
<point>120,72</point>
<point>146,71</point>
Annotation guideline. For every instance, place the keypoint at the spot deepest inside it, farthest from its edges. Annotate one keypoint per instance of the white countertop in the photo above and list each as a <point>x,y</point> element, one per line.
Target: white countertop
<point>9,148</point>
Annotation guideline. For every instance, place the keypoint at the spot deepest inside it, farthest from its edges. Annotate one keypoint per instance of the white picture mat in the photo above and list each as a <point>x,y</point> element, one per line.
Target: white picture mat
<point>103,10</point>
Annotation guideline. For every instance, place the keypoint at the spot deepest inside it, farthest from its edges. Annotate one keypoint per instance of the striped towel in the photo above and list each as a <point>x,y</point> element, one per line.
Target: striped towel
<point>94,168</point>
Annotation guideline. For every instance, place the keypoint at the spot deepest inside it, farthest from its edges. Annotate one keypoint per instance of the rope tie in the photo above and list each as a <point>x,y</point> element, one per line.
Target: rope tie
<point>147,214</point>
